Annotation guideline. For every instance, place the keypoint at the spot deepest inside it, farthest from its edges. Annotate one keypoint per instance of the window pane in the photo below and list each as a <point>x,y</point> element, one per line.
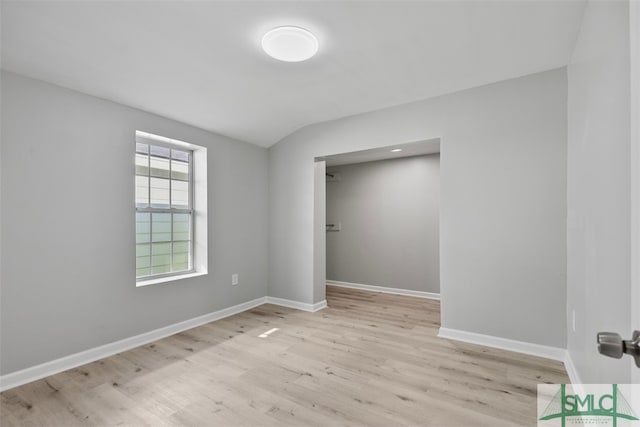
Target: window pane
<point>179,170</point>
<point>161,227</point>
<point>143,259</point>
<point>143,227</point>
<point>181,256</point>
<point>142,148</point>
<point>160,258</point>
<point>159,193</point>
<point>158,151</point>
<point>181,226</point>
<point>180,155</point>
<point>142,191</point>
<point>141,272</point>
<point>143,250</point>
<point>159,167</point>
<point>142,164</point>
<point>179,194</point>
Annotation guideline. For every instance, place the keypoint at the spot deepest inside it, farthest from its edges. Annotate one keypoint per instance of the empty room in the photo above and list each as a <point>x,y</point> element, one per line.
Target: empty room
<point>313,213</point>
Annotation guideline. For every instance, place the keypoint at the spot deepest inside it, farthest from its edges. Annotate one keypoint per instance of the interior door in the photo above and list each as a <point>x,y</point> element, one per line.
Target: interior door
<point>614,344</point>
<point>634,27</point>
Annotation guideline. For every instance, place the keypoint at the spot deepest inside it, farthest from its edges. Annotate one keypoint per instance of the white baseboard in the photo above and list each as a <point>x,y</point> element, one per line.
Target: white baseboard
<point>296,304</point>
<point>395,291</point>
<point>46,369</point>
<point>319,305</point>
<point>53,367</point>
<point>571,369</point>
<point>547,352</point>
<point>554,353</point>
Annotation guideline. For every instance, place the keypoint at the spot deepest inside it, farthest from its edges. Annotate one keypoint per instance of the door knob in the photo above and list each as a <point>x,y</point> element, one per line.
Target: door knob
<point>611,344</point>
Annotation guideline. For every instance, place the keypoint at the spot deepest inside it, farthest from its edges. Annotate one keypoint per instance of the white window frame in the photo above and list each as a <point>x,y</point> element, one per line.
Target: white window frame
<point>197,208</point>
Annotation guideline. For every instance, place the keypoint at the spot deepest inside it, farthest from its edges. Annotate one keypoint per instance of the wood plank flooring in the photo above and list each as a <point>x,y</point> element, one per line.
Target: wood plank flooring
<point>369,359</point>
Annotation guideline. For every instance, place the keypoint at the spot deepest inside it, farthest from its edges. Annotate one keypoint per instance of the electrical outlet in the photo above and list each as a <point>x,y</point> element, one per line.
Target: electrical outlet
<point>234,279</point>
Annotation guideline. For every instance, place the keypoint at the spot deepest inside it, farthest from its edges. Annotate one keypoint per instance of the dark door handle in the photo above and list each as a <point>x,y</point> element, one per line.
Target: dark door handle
<point>611,344</point>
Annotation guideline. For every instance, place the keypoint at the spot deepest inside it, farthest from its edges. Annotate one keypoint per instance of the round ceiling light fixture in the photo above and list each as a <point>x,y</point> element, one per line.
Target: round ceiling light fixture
<point>290,44</point>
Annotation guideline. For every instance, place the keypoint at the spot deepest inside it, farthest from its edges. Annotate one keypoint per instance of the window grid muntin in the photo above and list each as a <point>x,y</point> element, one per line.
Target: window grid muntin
<point>151,210</point>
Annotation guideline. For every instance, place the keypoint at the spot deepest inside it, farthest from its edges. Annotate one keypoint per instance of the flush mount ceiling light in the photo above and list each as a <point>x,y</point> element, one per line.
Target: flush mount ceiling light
<point>396,150</point>
<point>290,44</point>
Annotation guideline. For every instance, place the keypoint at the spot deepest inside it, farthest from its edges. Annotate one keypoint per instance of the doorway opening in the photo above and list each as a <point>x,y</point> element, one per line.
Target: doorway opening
<point>377,220</point>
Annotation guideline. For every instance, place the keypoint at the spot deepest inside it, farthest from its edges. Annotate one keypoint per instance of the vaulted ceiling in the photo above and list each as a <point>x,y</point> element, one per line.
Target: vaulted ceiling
<point>201,62</point>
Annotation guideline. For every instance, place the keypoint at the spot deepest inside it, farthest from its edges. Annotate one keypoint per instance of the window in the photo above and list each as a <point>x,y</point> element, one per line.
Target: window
<point>171,209</point>
<point>164,210</point>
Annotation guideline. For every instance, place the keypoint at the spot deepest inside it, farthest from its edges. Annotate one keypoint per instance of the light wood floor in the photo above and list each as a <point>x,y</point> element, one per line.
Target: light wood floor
<point>370,359</point>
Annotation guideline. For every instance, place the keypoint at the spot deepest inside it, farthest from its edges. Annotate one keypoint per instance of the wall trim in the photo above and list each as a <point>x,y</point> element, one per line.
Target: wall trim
<point>296,304</point>
<point>555,353</point>
<point>386,290</point>
<point>319,305</point>
<point>571,369</point>
<point>34,373</point>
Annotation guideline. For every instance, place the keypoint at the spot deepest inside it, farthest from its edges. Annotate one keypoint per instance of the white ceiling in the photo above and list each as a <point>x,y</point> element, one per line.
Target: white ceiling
<point>201,62</point>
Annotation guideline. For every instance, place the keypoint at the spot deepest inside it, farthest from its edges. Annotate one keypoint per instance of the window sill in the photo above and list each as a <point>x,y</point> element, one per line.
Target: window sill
<point>148,282</point>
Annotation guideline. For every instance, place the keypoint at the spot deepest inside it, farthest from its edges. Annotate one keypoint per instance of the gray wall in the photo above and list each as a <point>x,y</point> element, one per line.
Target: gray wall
<point>68,273</point>
<point>503,202</point>
<point>319,233</point>
<point>389,216</point>
<point>598,191</point>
